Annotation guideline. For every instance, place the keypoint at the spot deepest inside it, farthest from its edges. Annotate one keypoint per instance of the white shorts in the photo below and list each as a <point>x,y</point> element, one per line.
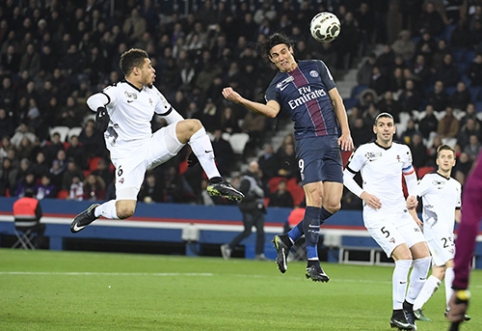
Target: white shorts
<point>442,250</point>
<point>143,155</point>
<point>394,230</point>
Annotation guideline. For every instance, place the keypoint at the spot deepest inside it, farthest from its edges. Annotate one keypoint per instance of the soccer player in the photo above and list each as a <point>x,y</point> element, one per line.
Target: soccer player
<point>382,164</point>
<point>124,111</point>
<point>465,243</point>
<point>441,198</point>
<point>307,91</point>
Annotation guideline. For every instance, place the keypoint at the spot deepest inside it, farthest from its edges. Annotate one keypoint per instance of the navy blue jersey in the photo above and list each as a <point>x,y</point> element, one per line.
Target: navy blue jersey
<point>304,94</point>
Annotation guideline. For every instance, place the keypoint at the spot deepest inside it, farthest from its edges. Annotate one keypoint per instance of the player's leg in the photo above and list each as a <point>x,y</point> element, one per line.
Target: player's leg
<point>129,176</point>
<point>192,131</point>
<point>393,244</point>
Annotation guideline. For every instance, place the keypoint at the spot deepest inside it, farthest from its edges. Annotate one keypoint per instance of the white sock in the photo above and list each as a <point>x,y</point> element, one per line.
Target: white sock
<point>399,282</point>
<point>418,277</point>
<point>428,289</point>
<point>107,210</point>
<point>202,147</point>
<point>449,278</point>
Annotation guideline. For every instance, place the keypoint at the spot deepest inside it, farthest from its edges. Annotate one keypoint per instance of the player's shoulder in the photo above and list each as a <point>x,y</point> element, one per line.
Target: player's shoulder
<point>366,147</point>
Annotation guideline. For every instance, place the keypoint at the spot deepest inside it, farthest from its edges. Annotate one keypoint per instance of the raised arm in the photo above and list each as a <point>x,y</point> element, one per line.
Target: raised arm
<point>270,109</point>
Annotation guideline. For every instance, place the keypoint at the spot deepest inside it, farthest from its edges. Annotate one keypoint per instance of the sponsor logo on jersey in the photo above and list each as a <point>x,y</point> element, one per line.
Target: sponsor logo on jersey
<point>130,95</point>
<point>314,73</point>
<point>306,96</point>
<point>372,156</point>
<point>284,83</point>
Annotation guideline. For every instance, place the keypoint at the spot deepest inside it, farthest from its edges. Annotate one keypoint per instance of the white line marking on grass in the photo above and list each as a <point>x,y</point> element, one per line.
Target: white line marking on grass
<point>156,274</point>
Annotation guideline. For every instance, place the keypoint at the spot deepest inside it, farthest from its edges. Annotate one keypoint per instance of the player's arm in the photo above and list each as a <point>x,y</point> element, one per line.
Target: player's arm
<point>164,109</point>
<point>458,215</point>
<point>352,185</point>
<point>98,103</point>
<point>270,109</point>
<point>414,214</point>
<point>345,141</point>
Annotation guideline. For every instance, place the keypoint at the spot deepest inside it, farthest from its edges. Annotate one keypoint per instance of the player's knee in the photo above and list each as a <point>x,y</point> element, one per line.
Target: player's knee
<point>193,125</point>
<point>125,211</point>
<point>332,206</point>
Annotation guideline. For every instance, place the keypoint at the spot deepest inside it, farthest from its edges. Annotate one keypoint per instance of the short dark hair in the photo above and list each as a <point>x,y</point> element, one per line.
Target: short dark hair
<point>383,115</point>
<point>445,147</point>
<point>29,193</point>
<point>273,40</point>
<point>134,57</point>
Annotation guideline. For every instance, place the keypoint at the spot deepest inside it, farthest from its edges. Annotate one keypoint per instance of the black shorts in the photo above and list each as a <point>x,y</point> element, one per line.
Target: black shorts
<point>319,159</point>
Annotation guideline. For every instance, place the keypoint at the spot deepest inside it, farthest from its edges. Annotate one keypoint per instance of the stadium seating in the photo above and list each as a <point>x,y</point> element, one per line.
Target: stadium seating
<point>238,141</point>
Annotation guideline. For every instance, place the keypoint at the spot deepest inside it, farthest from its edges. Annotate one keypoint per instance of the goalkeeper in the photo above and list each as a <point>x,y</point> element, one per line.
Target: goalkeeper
<point>465,243</point>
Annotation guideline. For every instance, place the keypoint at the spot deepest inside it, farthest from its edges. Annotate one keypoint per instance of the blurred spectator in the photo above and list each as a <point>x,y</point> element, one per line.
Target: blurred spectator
<point>52,147</point>
<point>448,126</point>
<point>94,188</point>
<point>45,189</point>
<point>411,97</point>
<point>438,98</point>
<point>404,46</point>
<point>76,189</point>
<point>471,128</point>
<point>474,71</point>
<point>103,170</point>
<point>151,190</point>
<point>7,124</point>
<point>462,168</point>
<point>8,178</point>
<point>429,123</point>
<point>389,105</point>
<point>286,165</point>
<point>379,82</point>
<point>432,150</point>
<point>21,132</point>
<point>223,152</point>
<point>461,97</point>
<point>470,113</point>
<point>410,130</point>
<point>71,114</point>
<point>71,171</point>
<point>40,166</point>
<point>228,121</point>
<point>26,182</point>
<point>448,72</point>
<point>281,197</point>
<point>92,141</point>
<point>364,73</point>
<point>419,150</point>
<point>473,148</point>
<point>24,150</point>
<point>268,163</point>
<point>361,132</point>
<point>430,20</point>
<point>77,152</point>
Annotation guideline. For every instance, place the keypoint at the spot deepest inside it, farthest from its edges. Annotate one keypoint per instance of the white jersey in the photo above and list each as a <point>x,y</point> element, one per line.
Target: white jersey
<point>441,196</point>
<point>131,110</point>
<point>381,170</point>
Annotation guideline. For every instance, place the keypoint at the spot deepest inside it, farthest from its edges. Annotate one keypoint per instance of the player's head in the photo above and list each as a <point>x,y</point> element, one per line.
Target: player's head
<point>136,66</point>
<point>445,158</point>
<point>384,128</point>
<point>278,49</point>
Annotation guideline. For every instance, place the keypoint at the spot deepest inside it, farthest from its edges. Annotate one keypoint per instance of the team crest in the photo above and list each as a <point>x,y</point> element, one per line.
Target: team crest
<point>314,73</point>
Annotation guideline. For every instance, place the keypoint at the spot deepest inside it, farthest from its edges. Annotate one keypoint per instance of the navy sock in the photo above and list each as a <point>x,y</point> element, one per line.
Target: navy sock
<point>311,227</point>
<point>296,232</point>
<point>324,214</point>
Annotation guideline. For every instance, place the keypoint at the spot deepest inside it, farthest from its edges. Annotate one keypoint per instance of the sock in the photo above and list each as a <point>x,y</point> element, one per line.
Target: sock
<point>202,147</point>
<point>107,210</point>
<point>296,232</point>
<point>324,214</point>
<point>428,289</point>
<point>407,306</point>
<point>418,277</point>
<point>399,282</point>
<point>449,278</point>
<point>311,227</point>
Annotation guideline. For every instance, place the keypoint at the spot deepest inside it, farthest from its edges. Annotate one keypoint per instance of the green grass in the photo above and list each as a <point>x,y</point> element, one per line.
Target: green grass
<point>44,290</point>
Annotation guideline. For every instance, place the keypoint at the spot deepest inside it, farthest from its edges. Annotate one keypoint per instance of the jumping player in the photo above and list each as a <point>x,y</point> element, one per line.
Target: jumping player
<point>307,91</point>
<point>124,111</point>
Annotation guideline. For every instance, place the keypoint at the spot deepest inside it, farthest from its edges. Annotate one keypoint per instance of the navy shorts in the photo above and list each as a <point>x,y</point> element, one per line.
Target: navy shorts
<point>319,159</point>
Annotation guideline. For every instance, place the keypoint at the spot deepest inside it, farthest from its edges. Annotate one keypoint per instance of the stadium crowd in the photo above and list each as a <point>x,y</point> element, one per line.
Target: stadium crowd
<point>54,54</point>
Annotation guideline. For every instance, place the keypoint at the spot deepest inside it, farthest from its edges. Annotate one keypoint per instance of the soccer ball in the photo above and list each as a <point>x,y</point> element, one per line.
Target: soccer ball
<point>325,27</point>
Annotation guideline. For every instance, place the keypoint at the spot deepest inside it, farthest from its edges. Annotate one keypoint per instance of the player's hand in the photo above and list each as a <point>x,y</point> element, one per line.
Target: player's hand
<point>345,142</point>
<point>458,306</point>
<point>412,202</point>
<point>192,160</point>
<point>232,95</point>
<point>371,200</point>
<point>102,119</point>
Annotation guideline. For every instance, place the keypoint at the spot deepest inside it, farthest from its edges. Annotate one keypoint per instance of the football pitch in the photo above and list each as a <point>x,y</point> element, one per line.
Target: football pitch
<point>46,290</point>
